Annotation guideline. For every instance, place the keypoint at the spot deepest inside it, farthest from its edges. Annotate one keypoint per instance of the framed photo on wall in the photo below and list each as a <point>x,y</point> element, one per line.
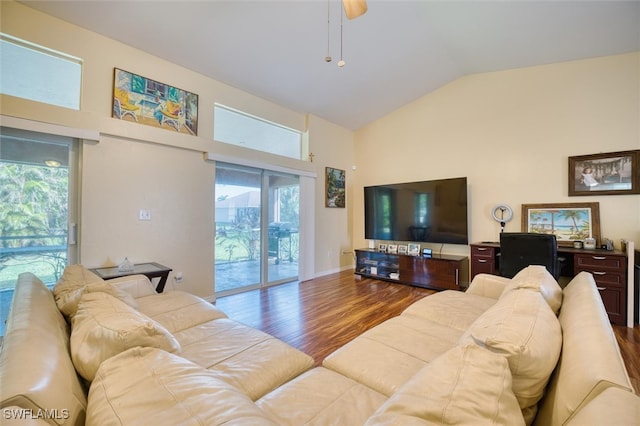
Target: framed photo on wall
<point>569,222</point>
<point>335,186</point>
<point>613,173</point>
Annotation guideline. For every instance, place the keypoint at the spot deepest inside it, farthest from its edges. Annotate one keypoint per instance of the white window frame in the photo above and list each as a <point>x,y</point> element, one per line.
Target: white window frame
<point>258,141</point>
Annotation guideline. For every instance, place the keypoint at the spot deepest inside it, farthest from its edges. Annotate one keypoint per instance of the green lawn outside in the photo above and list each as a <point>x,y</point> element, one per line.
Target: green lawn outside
<point>41,266</point>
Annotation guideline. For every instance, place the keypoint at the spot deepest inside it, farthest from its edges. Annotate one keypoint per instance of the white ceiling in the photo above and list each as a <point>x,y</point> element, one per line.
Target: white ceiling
<point>397,52</point>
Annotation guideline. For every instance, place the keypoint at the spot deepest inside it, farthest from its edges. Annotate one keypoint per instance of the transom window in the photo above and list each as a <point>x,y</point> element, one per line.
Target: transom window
<point>39,74</point>
<point>237,128</point>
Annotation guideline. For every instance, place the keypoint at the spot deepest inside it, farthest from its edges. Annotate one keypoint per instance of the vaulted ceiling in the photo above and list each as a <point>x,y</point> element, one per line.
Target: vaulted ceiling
<point>395,53</point>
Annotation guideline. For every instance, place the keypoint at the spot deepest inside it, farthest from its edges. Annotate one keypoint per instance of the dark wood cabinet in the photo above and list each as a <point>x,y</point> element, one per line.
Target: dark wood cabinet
<point>610,274</point>
<point>439,272</point>
<point>609,269</point>
<point>484,260</point>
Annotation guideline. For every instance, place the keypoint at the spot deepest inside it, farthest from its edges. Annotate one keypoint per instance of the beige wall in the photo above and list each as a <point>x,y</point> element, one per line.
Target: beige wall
<point>510,133</point>
<point>120,177</point>
<point>133,167</point>
<point>332,146</point>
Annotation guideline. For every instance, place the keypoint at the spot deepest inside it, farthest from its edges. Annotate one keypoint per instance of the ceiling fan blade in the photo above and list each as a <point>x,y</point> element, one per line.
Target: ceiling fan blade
<point>354,8</point>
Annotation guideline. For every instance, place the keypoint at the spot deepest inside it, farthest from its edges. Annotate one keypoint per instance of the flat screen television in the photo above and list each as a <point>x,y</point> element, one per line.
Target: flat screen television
<point>433,211</point>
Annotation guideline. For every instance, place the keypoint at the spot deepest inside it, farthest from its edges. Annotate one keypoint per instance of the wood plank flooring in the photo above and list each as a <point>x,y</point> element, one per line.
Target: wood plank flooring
<point>321,315</point>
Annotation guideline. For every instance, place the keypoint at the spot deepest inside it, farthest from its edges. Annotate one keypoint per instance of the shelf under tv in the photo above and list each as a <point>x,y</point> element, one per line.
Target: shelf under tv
<point>438,272</point>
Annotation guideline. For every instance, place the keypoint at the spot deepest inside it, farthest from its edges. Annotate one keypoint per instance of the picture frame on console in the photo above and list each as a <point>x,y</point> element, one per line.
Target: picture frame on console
<point>392,248</point>
<point>382,248</point>
<point>402,249</point>
<point>569,222</point>
<point>612,173</point>
<point>413,249</point>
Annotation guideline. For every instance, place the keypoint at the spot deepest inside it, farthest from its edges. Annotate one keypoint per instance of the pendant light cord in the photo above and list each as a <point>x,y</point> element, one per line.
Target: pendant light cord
<point>341,62</point>
<point>328,57</point>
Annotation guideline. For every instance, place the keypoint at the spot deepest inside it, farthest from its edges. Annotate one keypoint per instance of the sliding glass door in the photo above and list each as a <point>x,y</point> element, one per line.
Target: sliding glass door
<point>256,222</point>
<point>238,201</point>
<point>283,228</point>
<point>37,208</point>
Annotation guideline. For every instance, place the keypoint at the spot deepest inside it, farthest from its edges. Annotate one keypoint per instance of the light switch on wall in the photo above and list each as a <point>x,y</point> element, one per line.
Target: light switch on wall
<point>145,214</point>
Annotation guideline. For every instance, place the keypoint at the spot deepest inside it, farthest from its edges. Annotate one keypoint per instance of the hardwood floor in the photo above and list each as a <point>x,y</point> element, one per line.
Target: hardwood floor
<point>321,315</point>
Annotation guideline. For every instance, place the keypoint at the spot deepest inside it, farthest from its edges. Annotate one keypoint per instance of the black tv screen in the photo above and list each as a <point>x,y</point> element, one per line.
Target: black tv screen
<point>432,211</point>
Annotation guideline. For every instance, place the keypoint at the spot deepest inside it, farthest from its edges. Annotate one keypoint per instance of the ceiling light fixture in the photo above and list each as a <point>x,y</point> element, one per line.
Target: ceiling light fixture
<point>354,8</point>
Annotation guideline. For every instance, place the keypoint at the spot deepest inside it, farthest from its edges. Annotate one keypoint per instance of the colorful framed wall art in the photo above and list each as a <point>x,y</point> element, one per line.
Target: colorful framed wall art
<point>145,101</point>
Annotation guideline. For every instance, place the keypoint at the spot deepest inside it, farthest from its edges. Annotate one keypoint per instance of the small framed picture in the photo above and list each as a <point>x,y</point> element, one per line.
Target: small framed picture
<point>402,249</point>
<point>414,249</point>
<point>392,248</point>
<point>382,248</point>
<point>335,184</point>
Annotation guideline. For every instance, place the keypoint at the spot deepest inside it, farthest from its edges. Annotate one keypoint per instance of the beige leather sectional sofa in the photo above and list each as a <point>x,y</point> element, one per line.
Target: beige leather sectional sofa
<point>517,351</point>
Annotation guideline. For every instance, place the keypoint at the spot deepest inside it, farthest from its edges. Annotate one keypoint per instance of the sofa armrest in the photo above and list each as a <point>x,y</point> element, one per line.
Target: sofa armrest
<point>614,406</point>
<point>136,285</point>
<point>488,285</point>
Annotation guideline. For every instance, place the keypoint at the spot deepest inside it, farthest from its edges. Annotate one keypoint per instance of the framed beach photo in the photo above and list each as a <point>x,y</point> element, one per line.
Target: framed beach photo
<point>569,222</point>
<point>414,249</point>
<point>613,173</point>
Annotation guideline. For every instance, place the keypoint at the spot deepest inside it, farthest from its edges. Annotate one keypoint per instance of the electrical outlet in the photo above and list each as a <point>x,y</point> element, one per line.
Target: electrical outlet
<point>178,277</point>
<point>145,214</point>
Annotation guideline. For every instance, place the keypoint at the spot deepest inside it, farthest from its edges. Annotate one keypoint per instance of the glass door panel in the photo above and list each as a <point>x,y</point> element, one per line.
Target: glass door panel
<point>283,225</point>
<point>238,200</point>
<point>37,209</point>
<point>256,222</point>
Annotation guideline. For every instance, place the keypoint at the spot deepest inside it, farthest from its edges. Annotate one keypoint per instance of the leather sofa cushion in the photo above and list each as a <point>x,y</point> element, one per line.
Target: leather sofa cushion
<point>178,310</point>
<point>147,386</point>
<point>137,285</point>
<point>537,278</point>
<point>451,308</point>
<point>523,328</point>
<point>73,277</point>
<point>77,280</point>
<point>321,397</point>
<point>68,301</point>
<point>385,357</point>
<point>105,326</point>
<point>252,361</point>
<point>466,385</point>
<point>488,285</point>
